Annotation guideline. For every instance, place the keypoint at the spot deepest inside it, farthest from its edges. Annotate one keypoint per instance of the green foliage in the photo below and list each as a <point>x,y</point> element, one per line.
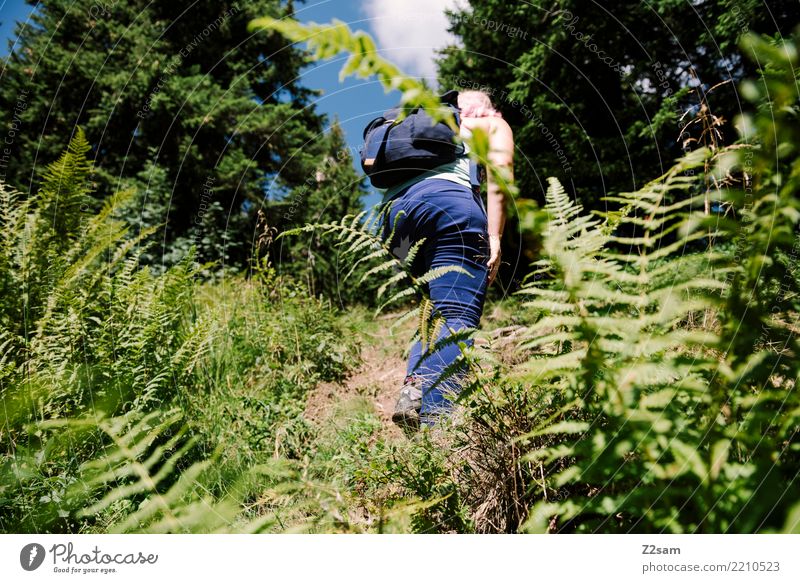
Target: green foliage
<point>632,377</point>
<point>134,477</point>
<point>64,191</point>
<point>655,423</point>
<point>98,354</point>
<point>595,91</point>
<point>661,396</point>
<point>425,474</point>
<point>601,94</point>
<point>668,427</point>
<point>175,107</point>
<point>647,384</point>
<point>332,191</point>
<point>330,39</point>
<point>275,344</point>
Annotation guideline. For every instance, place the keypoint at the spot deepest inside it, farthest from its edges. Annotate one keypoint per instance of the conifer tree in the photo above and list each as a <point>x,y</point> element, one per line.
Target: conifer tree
<point>596,90</point>
<point>206,120</point>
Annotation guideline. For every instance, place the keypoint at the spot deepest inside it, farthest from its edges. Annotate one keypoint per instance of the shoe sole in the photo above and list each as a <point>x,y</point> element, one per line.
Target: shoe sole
<point>409,419</point>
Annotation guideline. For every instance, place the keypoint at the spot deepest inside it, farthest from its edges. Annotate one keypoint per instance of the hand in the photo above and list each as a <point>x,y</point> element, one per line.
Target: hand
<point>494,257</point>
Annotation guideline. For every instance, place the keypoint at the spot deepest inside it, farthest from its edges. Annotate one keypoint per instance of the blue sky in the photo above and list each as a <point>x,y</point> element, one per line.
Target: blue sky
<point>10,12</point>
<point>406,31</point>
<point>353,101</point>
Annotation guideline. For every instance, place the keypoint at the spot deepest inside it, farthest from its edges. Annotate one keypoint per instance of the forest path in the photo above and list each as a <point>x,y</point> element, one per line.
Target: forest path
<point>380,375</point>
<point>378,378</point>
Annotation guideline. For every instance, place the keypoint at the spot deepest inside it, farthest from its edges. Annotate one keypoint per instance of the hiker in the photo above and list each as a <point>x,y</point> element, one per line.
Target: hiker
<point>444,205</point>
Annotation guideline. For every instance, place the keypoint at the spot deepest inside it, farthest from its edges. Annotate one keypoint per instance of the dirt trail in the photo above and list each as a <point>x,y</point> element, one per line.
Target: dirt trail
<point>379,378</point>
<point>383,368</point>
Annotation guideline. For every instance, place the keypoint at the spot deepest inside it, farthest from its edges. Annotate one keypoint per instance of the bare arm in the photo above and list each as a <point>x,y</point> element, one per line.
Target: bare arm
<point>501,155</point>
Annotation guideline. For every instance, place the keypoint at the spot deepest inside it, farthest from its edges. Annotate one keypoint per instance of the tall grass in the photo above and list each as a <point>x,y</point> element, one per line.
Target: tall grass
<point>142,401</point>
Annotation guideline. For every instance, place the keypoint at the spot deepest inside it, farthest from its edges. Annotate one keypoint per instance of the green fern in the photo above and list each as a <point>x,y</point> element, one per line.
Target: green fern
<point>628,371</point>
<point>144,481</point>
<point>648,432</point>
<point>362,239</point>
<point>328,40</point>
<point>65,188</point>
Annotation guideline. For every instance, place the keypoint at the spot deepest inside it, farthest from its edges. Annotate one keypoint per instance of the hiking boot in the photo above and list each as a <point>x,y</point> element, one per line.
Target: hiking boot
<point>406,410</point>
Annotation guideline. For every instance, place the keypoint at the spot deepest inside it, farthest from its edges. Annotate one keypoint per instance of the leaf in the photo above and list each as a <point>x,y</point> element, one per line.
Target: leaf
<point>719,456</point>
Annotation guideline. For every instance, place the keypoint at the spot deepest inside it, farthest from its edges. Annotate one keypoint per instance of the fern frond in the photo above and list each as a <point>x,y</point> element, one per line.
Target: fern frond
<point>140,465</point>
<point>437,272</point>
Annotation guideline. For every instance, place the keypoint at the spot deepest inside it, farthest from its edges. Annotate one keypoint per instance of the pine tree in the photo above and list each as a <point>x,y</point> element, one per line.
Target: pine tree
<point>595,90</point>
<point>177,99</point>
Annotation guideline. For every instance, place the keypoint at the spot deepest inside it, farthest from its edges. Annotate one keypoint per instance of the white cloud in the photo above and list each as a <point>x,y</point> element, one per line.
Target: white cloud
<point>410,31</point>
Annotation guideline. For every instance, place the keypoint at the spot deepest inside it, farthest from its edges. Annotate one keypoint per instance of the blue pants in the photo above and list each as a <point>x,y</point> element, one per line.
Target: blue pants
<point>452,219</point>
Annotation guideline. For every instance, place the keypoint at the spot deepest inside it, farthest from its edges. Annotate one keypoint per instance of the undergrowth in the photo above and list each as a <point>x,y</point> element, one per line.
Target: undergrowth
<point>643,379</point>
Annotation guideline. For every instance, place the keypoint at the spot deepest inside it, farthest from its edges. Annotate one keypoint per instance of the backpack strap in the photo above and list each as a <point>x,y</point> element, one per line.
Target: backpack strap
<point>477,173</point>
<point>456,113</point>
<point>476,176</point>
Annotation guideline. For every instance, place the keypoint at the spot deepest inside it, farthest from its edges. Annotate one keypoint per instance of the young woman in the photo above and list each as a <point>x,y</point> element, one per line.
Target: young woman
<point>442,207</point>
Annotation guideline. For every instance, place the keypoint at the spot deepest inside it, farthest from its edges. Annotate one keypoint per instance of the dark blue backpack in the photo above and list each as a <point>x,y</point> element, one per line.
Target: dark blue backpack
<point>397,151</point>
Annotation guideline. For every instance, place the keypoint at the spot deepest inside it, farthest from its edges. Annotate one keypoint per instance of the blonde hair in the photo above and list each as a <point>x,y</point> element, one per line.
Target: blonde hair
<point>476,104</point>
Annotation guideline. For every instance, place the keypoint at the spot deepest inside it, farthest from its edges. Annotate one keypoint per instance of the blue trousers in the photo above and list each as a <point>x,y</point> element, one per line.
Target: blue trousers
<point>452,220</point>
